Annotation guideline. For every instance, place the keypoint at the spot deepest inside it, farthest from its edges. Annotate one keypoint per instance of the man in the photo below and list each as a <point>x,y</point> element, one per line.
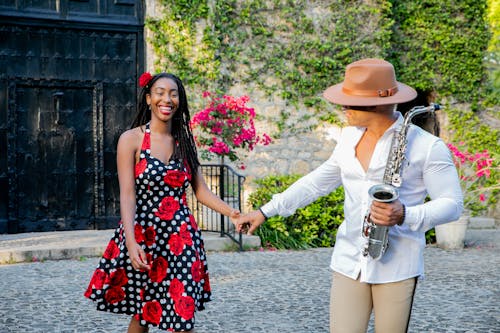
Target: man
<point>369,95</point>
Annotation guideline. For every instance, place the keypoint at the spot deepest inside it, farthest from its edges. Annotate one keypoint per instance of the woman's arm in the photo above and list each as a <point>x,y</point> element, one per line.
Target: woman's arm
<point>206,197</point>
<point>125,159</point>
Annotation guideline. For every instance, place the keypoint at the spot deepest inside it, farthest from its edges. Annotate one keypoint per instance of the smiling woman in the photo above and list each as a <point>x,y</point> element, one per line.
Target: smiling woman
<point>164,98</point>
<point>154,267</point>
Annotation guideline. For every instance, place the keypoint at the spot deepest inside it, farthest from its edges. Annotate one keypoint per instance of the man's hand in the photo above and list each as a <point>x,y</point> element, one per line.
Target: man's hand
<point>387,213</point>
<point>248,223</point>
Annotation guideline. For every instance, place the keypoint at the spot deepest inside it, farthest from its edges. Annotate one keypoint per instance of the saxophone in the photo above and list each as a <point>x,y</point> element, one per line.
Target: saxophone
<point>378,236</point>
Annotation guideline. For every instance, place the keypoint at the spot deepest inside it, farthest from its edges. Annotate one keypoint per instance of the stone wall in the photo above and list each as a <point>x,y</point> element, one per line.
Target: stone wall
<point>304,143</point>
<point>296,151</point>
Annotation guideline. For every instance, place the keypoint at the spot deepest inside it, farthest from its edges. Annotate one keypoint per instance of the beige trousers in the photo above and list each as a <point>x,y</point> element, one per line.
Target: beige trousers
<point>351,304</point>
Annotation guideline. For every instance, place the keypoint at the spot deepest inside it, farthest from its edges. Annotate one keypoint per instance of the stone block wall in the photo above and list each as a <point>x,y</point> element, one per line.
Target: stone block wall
<point>294,152</point>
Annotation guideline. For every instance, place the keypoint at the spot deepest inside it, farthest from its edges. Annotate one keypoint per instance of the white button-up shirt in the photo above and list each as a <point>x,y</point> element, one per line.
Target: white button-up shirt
<point>427,170</point>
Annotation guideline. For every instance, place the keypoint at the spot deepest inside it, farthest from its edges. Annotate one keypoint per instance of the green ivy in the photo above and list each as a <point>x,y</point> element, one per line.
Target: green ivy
<point>439,46</point>
<point>312,226</point>
<point>181,50</point>
<point>307,54</point>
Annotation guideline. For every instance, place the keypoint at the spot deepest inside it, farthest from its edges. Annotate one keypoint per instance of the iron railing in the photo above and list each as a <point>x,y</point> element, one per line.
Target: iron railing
<point>225,182</point>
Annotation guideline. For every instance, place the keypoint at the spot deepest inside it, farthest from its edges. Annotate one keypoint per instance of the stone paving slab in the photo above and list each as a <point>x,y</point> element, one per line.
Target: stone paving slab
<point>36,246</point>
<point>263,291</point>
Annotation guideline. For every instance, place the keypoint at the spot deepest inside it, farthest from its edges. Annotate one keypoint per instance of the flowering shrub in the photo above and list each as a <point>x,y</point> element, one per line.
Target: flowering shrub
<point>474,171</point>
<point>225,127</point>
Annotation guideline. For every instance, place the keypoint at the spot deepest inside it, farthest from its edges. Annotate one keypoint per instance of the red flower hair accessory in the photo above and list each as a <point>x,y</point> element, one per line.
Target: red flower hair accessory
<point>144,79</point>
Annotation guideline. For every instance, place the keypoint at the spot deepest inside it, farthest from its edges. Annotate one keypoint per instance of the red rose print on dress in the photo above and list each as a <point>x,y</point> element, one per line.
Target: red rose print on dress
<point>192,220</point>
<point>117,278</point>
<point>185,235</point>
<point>151,312</point>
<point>150,236</point>
<point>112,250</point>
<point>176,289</point>
<point>175,178</point>
<point>184,307</point>
<point>167,208</point>
<point>141,294</point>
<point>114,295</point>
<point>96,282</point>
<point>176,244</point>
<point>140,167</point>
<point>188,170</point>
<point>184,199</point>
<point>197,271</point>
<point>138,233</point>
<point>158,269</point>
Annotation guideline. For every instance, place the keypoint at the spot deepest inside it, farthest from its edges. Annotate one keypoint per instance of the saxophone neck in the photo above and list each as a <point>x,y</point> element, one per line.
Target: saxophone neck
<point>419,110</point>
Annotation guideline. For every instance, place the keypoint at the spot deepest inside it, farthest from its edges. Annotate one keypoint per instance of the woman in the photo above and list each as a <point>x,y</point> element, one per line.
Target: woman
<point>154,267</point>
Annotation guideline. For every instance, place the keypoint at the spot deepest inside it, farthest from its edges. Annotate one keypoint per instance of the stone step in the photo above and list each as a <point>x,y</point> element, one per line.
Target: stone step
<point>481,223</point>
<point>37,246</point>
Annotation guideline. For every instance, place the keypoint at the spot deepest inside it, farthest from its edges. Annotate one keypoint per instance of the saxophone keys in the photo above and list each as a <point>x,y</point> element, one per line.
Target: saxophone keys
<point>396,180</point>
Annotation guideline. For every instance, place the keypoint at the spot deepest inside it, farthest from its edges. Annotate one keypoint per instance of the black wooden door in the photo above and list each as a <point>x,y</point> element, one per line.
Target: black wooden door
<point>68,89</point>
<point>55,158</point>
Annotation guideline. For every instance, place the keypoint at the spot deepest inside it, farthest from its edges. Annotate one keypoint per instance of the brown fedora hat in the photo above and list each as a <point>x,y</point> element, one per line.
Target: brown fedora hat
<point>369,82</point>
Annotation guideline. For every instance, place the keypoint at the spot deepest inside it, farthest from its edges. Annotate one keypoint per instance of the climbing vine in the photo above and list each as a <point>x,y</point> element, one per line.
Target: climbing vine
<point>295,49</point>
<point>439,46</point>
<point>185,44</point>
<point>303,48</point>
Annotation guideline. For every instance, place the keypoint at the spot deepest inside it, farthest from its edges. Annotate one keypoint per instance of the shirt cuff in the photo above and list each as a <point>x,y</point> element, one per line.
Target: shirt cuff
<point>412,216</point>
<point>267,210</point>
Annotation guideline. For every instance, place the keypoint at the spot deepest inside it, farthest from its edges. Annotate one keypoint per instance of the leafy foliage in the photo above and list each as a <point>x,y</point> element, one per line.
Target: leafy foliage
<point>295,49</point>
<point>312,226</point>
<point>439,46</point>
<point>477,136</point>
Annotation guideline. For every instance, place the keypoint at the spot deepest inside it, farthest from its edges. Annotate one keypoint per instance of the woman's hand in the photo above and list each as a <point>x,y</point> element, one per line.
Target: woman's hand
<point>137,256</point>
<point>234,216</point>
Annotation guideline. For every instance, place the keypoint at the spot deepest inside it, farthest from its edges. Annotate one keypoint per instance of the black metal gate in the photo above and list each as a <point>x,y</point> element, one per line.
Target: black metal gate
<point>225,182</point>
<point>68,73</point>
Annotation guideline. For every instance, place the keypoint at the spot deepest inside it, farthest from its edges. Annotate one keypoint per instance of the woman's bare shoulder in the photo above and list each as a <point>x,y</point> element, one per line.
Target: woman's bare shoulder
<point>132,137</point>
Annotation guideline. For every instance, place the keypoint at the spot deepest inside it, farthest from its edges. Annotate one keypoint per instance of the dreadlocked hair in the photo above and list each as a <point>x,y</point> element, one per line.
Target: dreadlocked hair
<point>185,148</point>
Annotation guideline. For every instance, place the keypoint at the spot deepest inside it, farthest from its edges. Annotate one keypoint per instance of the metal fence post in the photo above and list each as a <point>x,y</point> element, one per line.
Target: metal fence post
<point>221,194</point>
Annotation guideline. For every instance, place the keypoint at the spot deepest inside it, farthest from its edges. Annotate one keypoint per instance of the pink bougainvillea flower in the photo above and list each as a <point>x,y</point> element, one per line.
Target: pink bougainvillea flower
<point>226,127</point>
<point>473,169</point>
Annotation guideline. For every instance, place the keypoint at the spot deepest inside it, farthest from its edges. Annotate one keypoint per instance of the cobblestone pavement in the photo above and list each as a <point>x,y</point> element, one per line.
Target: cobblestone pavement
<point>258,291</point>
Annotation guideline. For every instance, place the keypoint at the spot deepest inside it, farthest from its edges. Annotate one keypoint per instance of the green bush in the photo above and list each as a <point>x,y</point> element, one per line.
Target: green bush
<point>312,226</point>
<point>430,236</point>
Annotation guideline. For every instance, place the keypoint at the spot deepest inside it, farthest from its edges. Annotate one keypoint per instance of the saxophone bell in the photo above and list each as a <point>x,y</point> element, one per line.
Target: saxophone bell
<point>378,235</point>
<point>383,193</point>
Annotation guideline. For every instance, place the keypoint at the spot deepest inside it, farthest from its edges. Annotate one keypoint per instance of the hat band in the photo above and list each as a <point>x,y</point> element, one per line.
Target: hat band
<point>371,93</point>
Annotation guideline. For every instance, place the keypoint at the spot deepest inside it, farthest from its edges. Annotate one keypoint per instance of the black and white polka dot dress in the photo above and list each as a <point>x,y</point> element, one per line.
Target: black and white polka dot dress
<point>177,284</point>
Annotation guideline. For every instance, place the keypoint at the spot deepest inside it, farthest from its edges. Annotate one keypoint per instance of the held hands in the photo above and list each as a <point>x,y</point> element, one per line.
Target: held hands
<point>248,223</point>
<point>234,216</point>
<point>387,213</point>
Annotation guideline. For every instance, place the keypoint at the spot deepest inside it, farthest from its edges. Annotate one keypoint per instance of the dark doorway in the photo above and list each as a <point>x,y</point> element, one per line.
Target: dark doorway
<point>55,158</point>
<point>68,87</point>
